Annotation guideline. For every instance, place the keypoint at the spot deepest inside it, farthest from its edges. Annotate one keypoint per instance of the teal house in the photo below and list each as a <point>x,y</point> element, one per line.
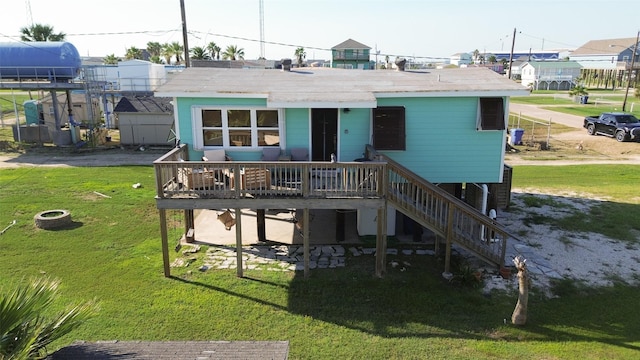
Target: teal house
<point>393,141</point>
<point>351,54</point>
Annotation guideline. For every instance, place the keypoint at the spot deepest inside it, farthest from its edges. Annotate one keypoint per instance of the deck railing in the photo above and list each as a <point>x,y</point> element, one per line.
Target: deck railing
<point>177,178</point>
<point>444,214</point>
<point>429,205</point>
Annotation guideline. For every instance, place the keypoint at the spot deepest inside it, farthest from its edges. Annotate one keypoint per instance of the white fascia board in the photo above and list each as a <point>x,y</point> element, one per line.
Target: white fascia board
<point>183,94</point>
<point>322,104</point>
<point>454,94</point>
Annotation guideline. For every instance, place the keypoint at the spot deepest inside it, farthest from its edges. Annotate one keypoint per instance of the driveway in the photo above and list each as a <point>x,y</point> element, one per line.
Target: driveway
<point>544,114</point>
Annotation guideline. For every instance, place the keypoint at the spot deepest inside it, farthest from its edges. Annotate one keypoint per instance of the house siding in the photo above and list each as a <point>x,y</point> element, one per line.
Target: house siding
<point>442,143</point>
<point>297,128</point>
<point>185,129</point>
<point>354,133</point>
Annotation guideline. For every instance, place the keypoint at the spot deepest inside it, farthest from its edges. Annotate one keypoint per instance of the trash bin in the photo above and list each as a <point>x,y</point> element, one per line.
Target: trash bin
<point>516,136</point>
<point>584,99</point>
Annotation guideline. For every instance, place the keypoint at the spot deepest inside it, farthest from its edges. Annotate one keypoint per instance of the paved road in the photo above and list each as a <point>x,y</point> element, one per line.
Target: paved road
<point>543,114</point>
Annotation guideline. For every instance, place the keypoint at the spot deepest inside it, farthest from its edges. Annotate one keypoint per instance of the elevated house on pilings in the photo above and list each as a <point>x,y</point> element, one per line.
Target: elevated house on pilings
<point>606,63</point>
<point>381,142</point>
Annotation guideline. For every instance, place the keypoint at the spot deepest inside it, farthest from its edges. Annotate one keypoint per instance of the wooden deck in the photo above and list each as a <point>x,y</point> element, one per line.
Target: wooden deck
<point>193,185</point>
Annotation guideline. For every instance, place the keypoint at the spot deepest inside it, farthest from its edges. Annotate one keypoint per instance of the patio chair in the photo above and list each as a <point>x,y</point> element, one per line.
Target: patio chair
<point>217,155</point>
<point>299,154</point>
<point>270,154</point>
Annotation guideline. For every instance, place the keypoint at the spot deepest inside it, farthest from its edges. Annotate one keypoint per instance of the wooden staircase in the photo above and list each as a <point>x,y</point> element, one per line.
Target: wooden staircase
<point>445,215</point>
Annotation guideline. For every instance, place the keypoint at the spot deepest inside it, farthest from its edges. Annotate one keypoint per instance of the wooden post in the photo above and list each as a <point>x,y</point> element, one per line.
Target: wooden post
<point>447,256</point>
<point>381,242</point>
<point>165,242</point>
<point>305,240</point>
<point>261,223</point>
<point>189,225</point>
<point>239,266</point>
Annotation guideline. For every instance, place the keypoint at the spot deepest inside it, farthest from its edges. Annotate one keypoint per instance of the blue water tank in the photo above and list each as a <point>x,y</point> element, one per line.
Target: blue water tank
<point>42,60</point>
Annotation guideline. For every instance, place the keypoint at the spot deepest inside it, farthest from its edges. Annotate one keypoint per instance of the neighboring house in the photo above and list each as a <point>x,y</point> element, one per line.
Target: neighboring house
<point>131,76</point>
<point>550,75</point>
<point>605,63</point>
<point>144,120</point>
<point>445,127</point>
<point>516,69</point>
<point>459,59</point>
<point>351,54</point>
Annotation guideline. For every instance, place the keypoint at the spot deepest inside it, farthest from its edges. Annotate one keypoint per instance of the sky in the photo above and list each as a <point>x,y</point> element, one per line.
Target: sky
<point>422,30</point>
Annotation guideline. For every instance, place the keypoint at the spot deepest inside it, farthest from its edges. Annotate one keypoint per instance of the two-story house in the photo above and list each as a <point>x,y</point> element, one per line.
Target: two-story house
<point>319,138</point>
<point>605,63</point>
<point>550,75</point>
<point>351,54</point>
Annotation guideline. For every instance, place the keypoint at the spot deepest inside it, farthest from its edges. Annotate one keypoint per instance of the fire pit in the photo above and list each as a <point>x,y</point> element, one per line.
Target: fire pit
<point>52,219</point>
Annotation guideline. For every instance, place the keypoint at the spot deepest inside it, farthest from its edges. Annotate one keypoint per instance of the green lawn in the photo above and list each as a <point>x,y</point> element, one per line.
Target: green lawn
<point>112,253</point>
<point>7,98</point>
<point>599,101</point>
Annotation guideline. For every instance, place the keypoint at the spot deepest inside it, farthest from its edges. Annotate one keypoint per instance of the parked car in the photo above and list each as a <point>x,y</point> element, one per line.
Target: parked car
<point>622,126</point>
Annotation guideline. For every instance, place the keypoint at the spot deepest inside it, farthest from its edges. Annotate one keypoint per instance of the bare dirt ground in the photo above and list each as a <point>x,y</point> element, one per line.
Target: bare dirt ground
<point>574,147</point>
<point>71,157</point>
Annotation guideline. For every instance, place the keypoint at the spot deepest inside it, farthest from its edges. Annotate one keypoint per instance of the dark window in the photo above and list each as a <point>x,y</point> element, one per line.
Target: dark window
<point>389,128</point>
<point>491,114</point>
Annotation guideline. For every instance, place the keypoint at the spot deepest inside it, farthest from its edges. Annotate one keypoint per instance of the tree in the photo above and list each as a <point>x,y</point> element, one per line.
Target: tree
<point>476,55</point>
<point>156,59</point>
<point>232,52</point>
<point>214,51</point>
<point>133,53</point>
<point>167,53</point>
<point>38,32</point>
<point>176,49</point>
<point>198,53</point>
<point>492,59</point>
<point>154,48</point>
<point>25,331</point>
<point>300,56</point>
<point>110,60</point>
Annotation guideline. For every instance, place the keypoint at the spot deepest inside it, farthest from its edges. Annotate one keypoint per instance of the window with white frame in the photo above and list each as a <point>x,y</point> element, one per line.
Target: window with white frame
<point>236,127</point>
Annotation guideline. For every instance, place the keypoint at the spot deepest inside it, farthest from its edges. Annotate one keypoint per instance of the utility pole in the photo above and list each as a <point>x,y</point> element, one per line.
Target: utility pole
<point>184,35</point>
<point>513,44</point>
<point>262,30</point>
<point>633,61</point>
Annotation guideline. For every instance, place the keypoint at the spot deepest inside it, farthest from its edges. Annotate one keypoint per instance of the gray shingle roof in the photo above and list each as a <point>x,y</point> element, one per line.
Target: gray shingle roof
<point>144,104</point>
<point>350,44</point>
<point>173,350</point>
<point>605,46</point>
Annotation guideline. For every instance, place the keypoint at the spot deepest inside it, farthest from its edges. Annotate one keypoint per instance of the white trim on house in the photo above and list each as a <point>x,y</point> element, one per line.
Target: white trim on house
<point>197,130</point>
<point>448,94</point>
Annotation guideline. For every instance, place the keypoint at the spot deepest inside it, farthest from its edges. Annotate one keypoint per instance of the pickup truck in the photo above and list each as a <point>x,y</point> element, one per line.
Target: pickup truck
<point>622,126</point>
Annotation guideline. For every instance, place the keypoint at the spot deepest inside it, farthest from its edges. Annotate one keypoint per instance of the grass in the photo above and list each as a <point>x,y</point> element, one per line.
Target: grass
<point>615,216</point>
<point>6,103</point>
<point>599,101</point>
<point>112,252</point>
